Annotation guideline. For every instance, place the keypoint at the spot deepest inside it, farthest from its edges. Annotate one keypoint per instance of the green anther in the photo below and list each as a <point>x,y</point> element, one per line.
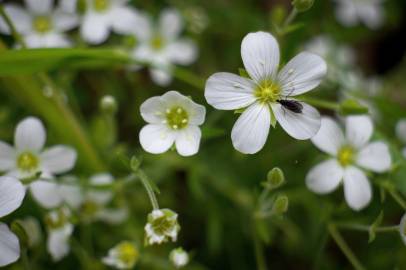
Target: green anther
<point>157,42</point>
<point>101,5</point>
<point>42,24</point>
<point>27,162</point>
<point>177,118</point>
<point>346,156</point>
<point>268,91</point>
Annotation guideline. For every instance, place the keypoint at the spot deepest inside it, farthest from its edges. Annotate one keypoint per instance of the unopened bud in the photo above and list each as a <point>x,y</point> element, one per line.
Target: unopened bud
<point>275,178</point>
<point>302,5</point>
<point>281,204</point>
<point>135,163</point>
<point>18,229</point>
<point>108,104</point>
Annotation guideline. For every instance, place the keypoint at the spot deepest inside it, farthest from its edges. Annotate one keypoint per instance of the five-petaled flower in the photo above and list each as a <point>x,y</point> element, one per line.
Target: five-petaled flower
<point>173,118</point>
<point>161,46</point>
<point>41,25</point>
<point>28,160</point>
<point>350,12</point>
<point>349,155</point>
<point>179,257</point>
<point>122,256</point>
<point>266,96</point>
<point>162,226</point>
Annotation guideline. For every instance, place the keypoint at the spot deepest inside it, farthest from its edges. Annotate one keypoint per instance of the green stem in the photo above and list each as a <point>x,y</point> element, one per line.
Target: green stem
<point>189,78</point>
<point>292,15</point>
<point>397,197</point>
<point>259,250</point>
<point>320,103</point>
<point>25,260</point>
<point>335,234</point>
<point>10,24</point>
<point>148,187</point>
<point>360,227</point>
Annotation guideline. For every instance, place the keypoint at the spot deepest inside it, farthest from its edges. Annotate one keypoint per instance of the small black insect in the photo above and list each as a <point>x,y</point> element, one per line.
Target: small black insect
<point>291,105</point>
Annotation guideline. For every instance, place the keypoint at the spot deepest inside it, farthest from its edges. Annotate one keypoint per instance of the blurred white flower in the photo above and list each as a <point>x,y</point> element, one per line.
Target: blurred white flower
<point>401,133</point>
<point>41,25</point>
<point>349,155</point>
<point>103,16</point>
<point>369,12</point>
<point>179,257</point>
<point>162,226</point>
<point>28,158</point>
<point>172,118</point>
<point>267,94</point>
<point>402,229</point>
<point>161,45</point>
<point>12,193</point>
<point>122,256</point>
<point>33,230</point>
<point>59,231</point>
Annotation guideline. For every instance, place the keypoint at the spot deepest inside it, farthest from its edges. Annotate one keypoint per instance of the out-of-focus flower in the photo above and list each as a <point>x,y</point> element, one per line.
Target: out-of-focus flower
<point>162,226</point>
<point>122,256</point>
<point>12,193</point>
<point>179,257</point>
<point>348,154</point>
<point>401,133</point>
<point>266,95</point>
<point>103,16</point>
<point>33,230</point>
<point>59,231</point>
<point>351,12</point>
<point>402,229</point>
<point>173,118</point>
<point>27,159</point>
<point>161,45</point>
<point>196,19</point>
<point>40,24</point>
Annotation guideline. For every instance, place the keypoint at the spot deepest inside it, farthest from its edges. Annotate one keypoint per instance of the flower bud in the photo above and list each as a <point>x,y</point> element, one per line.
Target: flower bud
<point>108,104</point>
<point>275,178</point>
<point>122,256</point>
<point>135,163</point>
<point>302,5</point>
<point>179,257</point>
<point>280,205</point>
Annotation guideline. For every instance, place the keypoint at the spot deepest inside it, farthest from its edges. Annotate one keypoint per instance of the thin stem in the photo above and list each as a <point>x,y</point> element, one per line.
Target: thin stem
<point>188,77</point>
<point>397,197</point>
<point>292,15</point>
<point>259,250</point>
<point>360,227</point>
<point>148,187</point>
<point>13,29</point>
<point>335,234</point>
<point>24,259</point>
<point>321,103</point>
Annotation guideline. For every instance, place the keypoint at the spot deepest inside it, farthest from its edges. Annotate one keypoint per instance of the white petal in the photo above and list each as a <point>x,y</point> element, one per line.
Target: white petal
<point>19,16</point>
<point>125,19</point>
<point>68,5</point>
<point>226,91</point>
<point>301,126</point>
<point>188,140</point>
<point>39,7</point>
<point>9,246</point>
<point>7,157</point>
<point>112,216</point>
<point>402,228</point>
<point>358,130</point>
<point>50,40</point>
<point>251,130</point>
<point>260,54</point>
<point>12,194</point>
<point>58,242</point>
<point>156,139</point>
<point>357,189</point>
<point>161,77</point>
<point>64,21</point>
<point>375,157</point>
<point>58,159</point>
<point>143,31</point>
<point>46,193</point>
<point>29,135</point>
<point>197,112</point>
<point>99,196</point>
<point>346,13</point>
<point>330,137</point>
<point>325,177</point>
<point>183,52</point>
<point>71,192</point>
<point>302,74</point>
<point>404,152</point>
<point>401,130</point>
<point>170,23</point>
<point>371,14</point>
<point>95,28</point>
<point>153,110</point>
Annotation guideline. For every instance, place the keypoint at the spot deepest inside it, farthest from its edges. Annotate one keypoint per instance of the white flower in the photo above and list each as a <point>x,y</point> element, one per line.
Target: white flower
<point>33,230</point>
<point>402,229</point>
<point>59,231</point>
<point>172,118</point>
<point>123,256</point>
<point>349,155</point>
<point>103,16</point>
<point>12,193</point>
<point>161,45</point>
<point>41,25</point>
<point>401,133</point>
<point>266,91</point>
<point>369,12</point>
<point>162,226</point>
<point>28,158</point>
<point>179,257</point>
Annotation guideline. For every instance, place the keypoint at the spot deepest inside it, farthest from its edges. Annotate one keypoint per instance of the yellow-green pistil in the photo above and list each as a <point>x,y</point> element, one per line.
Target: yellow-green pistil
<point>346,156</point>
<point>42,24</point>
<point>157,42</point>
<point>177,118</point>
<point>268,91</point>
<point>101,5</point>
<point>27,162</point>
<point>127,253</point>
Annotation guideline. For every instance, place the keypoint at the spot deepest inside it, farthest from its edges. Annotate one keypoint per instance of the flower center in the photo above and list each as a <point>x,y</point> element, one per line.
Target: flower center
<point>89,208</point>
<point>56,219</point>
<point>27,162</point>
<point>346,156</point>
<point>157,42</point>
<point>163,225</point>
<point>177,118</point>
<point>101,5</point>
<point>268,91</point>
<point>42,24</point>
<point>127,253</point>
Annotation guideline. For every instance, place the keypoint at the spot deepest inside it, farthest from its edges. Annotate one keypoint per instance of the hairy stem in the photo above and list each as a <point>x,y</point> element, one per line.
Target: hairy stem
<point>148,187</point>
